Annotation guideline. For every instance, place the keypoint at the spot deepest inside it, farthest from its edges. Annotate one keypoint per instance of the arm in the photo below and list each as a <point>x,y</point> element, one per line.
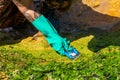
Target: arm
<point>27,8</point>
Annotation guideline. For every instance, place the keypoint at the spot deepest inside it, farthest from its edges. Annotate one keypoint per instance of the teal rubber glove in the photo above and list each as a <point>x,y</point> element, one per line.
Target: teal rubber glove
<point>59,44</point>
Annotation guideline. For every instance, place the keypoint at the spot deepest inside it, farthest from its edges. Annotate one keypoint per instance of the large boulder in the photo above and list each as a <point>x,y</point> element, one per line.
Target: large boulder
<point>103,14</point>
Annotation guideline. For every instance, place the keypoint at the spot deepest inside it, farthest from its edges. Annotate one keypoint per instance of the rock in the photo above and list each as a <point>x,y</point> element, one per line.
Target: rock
<point>83,14</point>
